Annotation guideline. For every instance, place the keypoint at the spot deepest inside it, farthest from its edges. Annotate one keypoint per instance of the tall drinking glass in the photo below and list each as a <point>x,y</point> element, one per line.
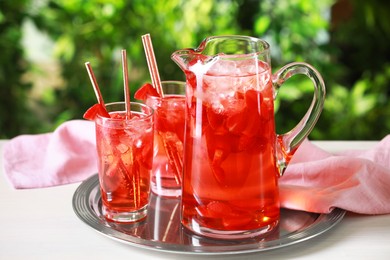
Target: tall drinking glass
<point>169,117</point>
<point>125,156</point>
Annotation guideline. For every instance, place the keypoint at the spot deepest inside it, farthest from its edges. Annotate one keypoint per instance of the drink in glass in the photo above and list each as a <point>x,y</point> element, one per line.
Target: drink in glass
<point>125,156</point>
<point>169,118</point>
<point>231,179</point>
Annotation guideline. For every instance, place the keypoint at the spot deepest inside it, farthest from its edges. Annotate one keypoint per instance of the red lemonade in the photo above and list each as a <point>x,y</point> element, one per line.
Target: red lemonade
<point>169,118</point>
<point>230,173</point>
<point>125,152</point>
<point>169,137</point>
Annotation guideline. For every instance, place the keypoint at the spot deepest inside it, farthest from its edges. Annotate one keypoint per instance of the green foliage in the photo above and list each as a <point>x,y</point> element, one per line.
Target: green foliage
<point>353,57</point>
<point>14,113</point>
<point>352,54</point>
<point>296,30</point>
<point>363,111</point>
<point>357,105</point>
<point>97,30</point>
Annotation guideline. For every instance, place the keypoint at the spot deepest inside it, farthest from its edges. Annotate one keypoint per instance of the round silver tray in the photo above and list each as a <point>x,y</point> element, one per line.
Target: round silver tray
<point>162,230</point>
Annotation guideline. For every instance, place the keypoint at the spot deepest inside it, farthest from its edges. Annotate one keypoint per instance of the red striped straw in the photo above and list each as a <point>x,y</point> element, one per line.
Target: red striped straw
<point>152,64</point>
<point>126,84</point>
<point>95,85</point>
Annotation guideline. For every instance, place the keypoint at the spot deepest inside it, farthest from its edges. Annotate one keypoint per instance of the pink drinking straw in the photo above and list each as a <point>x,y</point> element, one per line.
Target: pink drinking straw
<point>136,187</point>
<point>126,84</point>
<point>152,64</point>
<point>94,84</point>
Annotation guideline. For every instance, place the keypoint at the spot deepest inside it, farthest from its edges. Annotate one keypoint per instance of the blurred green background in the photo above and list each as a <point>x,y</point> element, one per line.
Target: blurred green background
<point>45,43</point>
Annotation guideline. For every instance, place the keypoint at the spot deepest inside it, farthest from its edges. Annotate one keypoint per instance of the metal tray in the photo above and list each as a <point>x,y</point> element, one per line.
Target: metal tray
<point>162,230</point>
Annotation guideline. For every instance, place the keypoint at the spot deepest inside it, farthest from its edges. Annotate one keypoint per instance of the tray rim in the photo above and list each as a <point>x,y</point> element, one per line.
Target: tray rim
<point>86,214</point>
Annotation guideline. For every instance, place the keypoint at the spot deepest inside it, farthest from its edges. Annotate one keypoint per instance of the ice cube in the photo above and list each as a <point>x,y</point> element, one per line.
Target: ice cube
<point>223,68</point>
<point>122,148</point>
<point>138,143</point>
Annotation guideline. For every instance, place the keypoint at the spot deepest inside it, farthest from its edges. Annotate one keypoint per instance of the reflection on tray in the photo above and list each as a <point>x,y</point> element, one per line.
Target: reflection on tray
<point>162,230</point>
<point>163,225</point>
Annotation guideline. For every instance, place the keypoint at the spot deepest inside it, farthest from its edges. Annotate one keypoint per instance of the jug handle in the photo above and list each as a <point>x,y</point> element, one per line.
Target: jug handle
<point>288,143</point>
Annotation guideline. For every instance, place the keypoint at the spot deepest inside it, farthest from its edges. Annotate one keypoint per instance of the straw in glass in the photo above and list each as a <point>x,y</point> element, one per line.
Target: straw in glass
<point>126,84</point>
<point>95,85</point>
<point>135,178</point>
<point>152,64</point>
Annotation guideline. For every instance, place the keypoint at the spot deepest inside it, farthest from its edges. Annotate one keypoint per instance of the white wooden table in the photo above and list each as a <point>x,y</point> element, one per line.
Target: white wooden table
<point>41,224</point>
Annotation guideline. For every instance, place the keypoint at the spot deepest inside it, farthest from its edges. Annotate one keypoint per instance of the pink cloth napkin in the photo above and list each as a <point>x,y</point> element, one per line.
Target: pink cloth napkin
<point>315,180</point>
<point>357,181</point>
<point>65,156</point>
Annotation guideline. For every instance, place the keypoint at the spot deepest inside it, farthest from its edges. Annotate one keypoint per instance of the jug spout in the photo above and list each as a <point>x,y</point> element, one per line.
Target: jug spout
<point>193,61</point>
<point>182,58</point>
<point>199,59</point>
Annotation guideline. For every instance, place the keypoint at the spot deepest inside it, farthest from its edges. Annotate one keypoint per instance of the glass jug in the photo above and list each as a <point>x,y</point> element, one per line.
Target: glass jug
<point>233,156</point>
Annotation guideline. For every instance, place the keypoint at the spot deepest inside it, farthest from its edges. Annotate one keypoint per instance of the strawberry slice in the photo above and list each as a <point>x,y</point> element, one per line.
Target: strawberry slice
<point>95,110</point>
<point>146,90</point>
